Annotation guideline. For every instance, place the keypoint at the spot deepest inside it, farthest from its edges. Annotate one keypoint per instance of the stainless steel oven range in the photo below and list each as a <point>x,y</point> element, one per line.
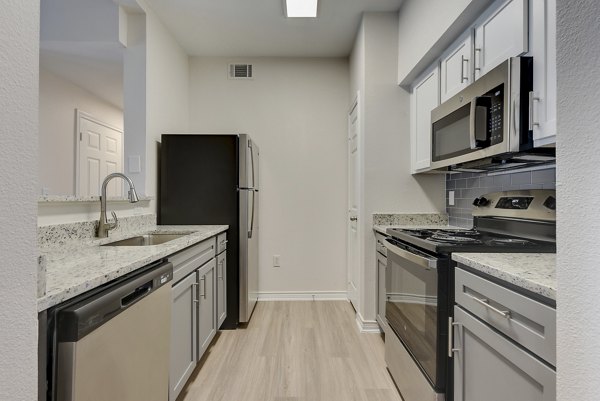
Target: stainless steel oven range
<point>420,282</point>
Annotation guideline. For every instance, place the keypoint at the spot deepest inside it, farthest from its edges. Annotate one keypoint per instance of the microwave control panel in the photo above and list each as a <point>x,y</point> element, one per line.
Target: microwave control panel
<point>496,115</point>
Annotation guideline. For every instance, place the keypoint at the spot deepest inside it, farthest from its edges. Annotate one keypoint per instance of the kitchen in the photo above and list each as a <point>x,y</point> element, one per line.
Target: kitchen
<point>576,333</point>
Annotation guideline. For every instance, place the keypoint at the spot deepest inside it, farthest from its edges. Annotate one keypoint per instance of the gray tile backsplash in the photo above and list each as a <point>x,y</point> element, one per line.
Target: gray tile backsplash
<point>468,186</point>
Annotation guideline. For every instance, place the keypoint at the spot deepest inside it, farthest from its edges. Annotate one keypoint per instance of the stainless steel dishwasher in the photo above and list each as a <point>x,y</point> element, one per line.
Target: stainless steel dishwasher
<point>114,345</point>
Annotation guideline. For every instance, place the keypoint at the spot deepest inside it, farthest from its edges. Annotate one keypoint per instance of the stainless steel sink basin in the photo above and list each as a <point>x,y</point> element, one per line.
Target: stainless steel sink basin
<point>147,239</point>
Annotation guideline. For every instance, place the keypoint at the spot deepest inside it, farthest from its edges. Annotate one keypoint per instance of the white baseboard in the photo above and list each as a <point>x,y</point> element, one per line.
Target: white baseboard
<point>302,296</point>
<point>367,326</point>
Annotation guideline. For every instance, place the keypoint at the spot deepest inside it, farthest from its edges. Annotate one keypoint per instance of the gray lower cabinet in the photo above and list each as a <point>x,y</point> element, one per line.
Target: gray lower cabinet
<point>194,310</point>
<point>381,287</point>
<point>184,333</point>
<point>381,294</point>
<point>206,306</point>
<point>504,344</point>
<point>221,288</point>
<point>488,366</point>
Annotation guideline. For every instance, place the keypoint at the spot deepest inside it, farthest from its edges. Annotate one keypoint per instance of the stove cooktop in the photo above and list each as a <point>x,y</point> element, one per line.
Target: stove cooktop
<point>457,240</point>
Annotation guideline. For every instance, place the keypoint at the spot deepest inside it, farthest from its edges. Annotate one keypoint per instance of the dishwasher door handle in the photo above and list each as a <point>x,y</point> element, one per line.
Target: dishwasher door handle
<point>136,294</point>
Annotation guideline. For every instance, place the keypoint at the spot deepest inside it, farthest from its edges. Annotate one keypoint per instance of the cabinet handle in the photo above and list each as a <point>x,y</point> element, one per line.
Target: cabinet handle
<point>196,300</point>
<point>223,242</point>
<point>462,70</point>
<point>504,313</point>
<point>220,276</point>
<point>353,218</point>
<point>451,325</point>
<point>532,122</point>
<point>477,58</point>
<point>203,293</point>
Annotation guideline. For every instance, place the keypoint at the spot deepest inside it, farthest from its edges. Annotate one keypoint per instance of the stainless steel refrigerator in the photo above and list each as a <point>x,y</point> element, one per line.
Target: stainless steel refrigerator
<point>213,179</point>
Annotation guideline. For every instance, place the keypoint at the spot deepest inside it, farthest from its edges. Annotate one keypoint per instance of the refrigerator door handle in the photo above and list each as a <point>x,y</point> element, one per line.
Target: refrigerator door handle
<point>252,162</point>
<point>252,215</point>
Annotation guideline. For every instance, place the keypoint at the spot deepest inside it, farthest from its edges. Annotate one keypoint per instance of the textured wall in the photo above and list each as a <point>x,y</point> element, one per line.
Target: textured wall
<point>578,58</point>
<point>468,186</point>
<point>19,43</point>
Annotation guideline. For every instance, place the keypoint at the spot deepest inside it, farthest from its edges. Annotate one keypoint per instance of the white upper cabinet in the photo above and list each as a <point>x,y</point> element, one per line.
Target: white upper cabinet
<point>501,34</point>
<point>456,70</point>
<point>425,96</point>
<point>543,49</point>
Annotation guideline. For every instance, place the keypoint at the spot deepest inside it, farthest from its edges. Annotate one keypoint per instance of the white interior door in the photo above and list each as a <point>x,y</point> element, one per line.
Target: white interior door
<point>100,152</point>
<point>353,203</point>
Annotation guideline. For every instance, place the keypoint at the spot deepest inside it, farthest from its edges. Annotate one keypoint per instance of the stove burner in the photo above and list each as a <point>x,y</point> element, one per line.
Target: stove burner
<point>510,241</point>
<point>453,239</point>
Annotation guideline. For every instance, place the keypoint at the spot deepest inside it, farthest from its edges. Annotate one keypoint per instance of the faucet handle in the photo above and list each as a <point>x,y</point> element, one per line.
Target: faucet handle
<point>115,224</point>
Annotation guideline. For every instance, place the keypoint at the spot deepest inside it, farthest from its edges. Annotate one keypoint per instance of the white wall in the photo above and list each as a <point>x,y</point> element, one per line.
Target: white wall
<point>19,30</point>
<point>295,109</point>
<point>57,141</point>
<point>578,190</point>
<point>167,82</point>
<point>388,185</point>
<point>427,27</point>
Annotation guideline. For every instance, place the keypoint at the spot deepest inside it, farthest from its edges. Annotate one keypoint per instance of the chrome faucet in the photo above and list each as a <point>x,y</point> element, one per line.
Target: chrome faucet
<point>103,225</point>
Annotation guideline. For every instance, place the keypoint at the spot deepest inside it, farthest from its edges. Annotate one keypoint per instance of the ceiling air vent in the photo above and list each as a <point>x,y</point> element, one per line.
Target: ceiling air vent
<point>240,71</point>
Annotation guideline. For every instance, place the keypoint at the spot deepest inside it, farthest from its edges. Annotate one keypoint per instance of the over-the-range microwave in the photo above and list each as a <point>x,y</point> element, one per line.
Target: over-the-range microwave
<point>488,118</point>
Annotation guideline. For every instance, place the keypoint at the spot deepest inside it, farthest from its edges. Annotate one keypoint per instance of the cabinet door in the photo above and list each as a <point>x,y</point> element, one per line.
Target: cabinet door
<point>184,339</point>
<point>221,288</point>
<point>456,69</point>
<point>424,98</point>
<point>543,50</point>
<point>488,366</point>
<point>206,306</point>
<point>381,295</point>
<point>500,35</point>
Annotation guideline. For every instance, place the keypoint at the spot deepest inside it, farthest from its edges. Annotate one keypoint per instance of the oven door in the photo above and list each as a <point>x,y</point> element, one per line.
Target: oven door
<point>417,305</point>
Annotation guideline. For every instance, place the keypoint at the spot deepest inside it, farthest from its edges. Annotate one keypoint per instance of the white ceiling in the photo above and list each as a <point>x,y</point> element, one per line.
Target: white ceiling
<point>249,28</point>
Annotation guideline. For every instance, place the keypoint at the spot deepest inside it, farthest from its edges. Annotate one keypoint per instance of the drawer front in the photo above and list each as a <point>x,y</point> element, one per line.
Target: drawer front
<point>379,244</point>
<point>527,322</point>
<point>221,242</point>
<point>191,258</point>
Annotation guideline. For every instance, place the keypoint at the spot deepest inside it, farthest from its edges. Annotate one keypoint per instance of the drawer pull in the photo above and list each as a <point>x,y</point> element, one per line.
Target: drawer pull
<point>504,313</point>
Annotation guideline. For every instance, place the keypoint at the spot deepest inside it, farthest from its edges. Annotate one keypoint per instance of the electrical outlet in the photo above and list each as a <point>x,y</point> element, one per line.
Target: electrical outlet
<point>276,261</point>
<point>451,198</point>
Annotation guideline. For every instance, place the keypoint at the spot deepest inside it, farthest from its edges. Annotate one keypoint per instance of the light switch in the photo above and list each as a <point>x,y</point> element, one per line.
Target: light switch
<point>451,198</point>
<point>135,164</point>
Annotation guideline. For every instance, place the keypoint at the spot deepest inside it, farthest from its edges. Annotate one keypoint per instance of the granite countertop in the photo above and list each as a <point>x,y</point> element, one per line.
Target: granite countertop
<point>535,272</point>
<point>383,221</point>
<point>383,228</point>
<point>73,271</point>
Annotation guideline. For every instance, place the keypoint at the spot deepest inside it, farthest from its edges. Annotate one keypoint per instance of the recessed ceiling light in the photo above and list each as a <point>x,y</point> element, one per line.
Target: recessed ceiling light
<point>301,8</point>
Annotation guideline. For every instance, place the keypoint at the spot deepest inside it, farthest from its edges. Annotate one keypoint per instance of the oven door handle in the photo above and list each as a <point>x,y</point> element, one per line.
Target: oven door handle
<point>427,263</point>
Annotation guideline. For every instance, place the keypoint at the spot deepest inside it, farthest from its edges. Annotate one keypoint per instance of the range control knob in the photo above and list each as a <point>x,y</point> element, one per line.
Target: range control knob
<point>481,201</point>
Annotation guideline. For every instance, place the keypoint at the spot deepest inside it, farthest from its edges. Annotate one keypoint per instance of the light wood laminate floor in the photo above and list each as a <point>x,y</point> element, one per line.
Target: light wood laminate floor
<point>294,351</point>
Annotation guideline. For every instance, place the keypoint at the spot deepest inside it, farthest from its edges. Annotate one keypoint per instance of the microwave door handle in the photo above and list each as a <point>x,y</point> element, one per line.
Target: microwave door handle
<point>473,124</point>
<point>424,262</point>
<point>478,122</point>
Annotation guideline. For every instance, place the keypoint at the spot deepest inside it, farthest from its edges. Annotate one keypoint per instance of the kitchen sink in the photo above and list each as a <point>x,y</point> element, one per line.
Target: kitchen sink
<point>147,239</point>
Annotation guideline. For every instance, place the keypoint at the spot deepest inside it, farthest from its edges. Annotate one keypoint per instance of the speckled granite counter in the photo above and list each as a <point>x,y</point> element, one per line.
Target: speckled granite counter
<point>381,222</point>
<point>73,271</point>
<point>535,272</point>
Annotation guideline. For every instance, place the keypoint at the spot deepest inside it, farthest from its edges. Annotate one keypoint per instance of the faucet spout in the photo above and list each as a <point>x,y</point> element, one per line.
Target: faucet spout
<point>103,225</point>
